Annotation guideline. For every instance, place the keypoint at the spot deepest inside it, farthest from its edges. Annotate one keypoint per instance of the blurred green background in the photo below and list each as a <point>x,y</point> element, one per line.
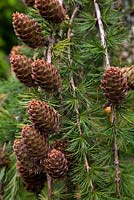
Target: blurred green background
<point>7,36</point>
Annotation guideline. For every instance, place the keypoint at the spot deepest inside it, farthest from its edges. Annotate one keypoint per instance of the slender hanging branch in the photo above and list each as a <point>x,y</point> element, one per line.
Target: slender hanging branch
<point>69,35</point>
<point>102,33</point>
<point>107,64</point>
<point>49,179</point>
<point>116,152</point>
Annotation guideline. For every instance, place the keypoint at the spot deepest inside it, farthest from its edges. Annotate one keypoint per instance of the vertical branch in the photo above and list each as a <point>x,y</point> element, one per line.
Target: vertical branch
<point>102,33</point>
<point>116,153</point>
<point>49,179</point>
<point>69,35</point>
<point>107,64</point>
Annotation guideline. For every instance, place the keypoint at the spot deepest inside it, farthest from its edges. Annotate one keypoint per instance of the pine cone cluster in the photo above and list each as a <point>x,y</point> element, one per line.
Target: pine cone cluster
<point>56,164</point>
<point>21,65</point>
<point>32,151</point>
<point>46,75</point>
<point>51,10</point>
<point>44,117</point>
<point>128,72</point>
<point>28,30</point>
<point>114,85</point>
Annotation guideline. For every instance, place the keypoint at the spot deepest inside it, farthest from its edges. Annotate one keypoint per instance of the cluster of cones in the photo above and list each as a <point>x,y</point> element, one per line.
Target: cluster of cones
<point>116,82</point>
<point>35,158</point>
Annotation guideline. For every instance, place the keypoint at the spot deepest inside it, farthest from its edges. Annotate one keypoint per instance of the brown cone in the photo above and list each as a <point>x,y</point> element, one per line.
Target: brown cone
<point>29,2</point>
<point>33,165</point>
<point>56,164</point>
<point>114,85</point>
<point>60,145</point>
<point>4,157</point>
<point>35,143</point>
<point>28,30</point>
<point>51,10</point>
<point>44,117</point>
<point>21,65</point>
<point>15,51</point>
<point>46,75</point>
<point>32,182</point>
<point>128,72</point>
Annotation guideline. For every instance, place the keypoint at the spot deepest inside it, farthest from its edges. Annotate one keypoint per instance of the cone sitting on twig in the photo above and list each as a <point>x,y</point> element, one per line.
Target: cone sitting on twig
<point>34,142</point>
<point>28,30</point>
<point>51,10</point>
<point>32,164</point>
<point>21,65</point>
<point>128,72</point>
<point>114,85</point>
<point>56,164</point>
<point>44,117</point>
<point>46,75</point>
<point>29,2</point>
<point>32,182</point>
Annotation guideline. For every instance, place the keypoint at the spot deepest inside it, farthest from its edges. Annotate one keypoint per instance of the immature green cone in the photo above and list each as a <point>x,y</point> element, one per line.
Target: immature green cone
<point>128,72</point>
<point>114,85</point>
<point>29,2</point>
<point>44,117</point>
<point>21,65</point>
<point>51,10</point>
<point>32,164</point>
<point>35,143</point>
<point>56,164</point>
<point>46,75</point>
<point>28,30</point>
<point>32,182</point>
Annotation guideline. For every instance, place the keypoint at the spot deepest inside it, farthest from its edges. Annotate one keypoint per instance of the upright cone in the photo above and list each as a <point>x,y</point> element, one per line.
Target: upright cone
<point>21,65</point>
<point>32,182</point>
<point>35,143</point>
<point>28,30</point>
<point>56,164</point>
<point>44,117</point>
<point>128,72</point>
<point>114,85</point>
<point>46,75</point>
<point>51,10</point>
<point>32,164</point>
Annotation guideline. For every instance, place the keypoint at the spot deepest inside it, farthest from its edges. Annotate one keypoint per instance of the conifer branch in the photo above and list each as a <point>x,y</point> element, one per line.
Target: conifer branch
<point>49,179</point>
<point>69,35</point>
<point>102,33</point>
<point>107,64</point>
<point>116,152</point>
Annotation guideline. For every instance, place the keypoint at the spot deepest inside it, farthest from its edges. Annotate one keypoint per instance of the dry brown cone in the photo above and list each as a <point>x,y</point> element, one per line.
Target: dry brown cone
<point>35,143</point>
<point>46,75</point>
<point>29,2</point>
<point>32,164</point>
<point>114,85</point>
<point>60,145</point>
<point>51,10</point>
<point>44,117</point>
<point>28,30</point>
<point>56,164</point>
<point>32,182</point>
<point>15,51</point>
<point>21,65</point>
<point>128,72</point>
<point>4,157</point>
